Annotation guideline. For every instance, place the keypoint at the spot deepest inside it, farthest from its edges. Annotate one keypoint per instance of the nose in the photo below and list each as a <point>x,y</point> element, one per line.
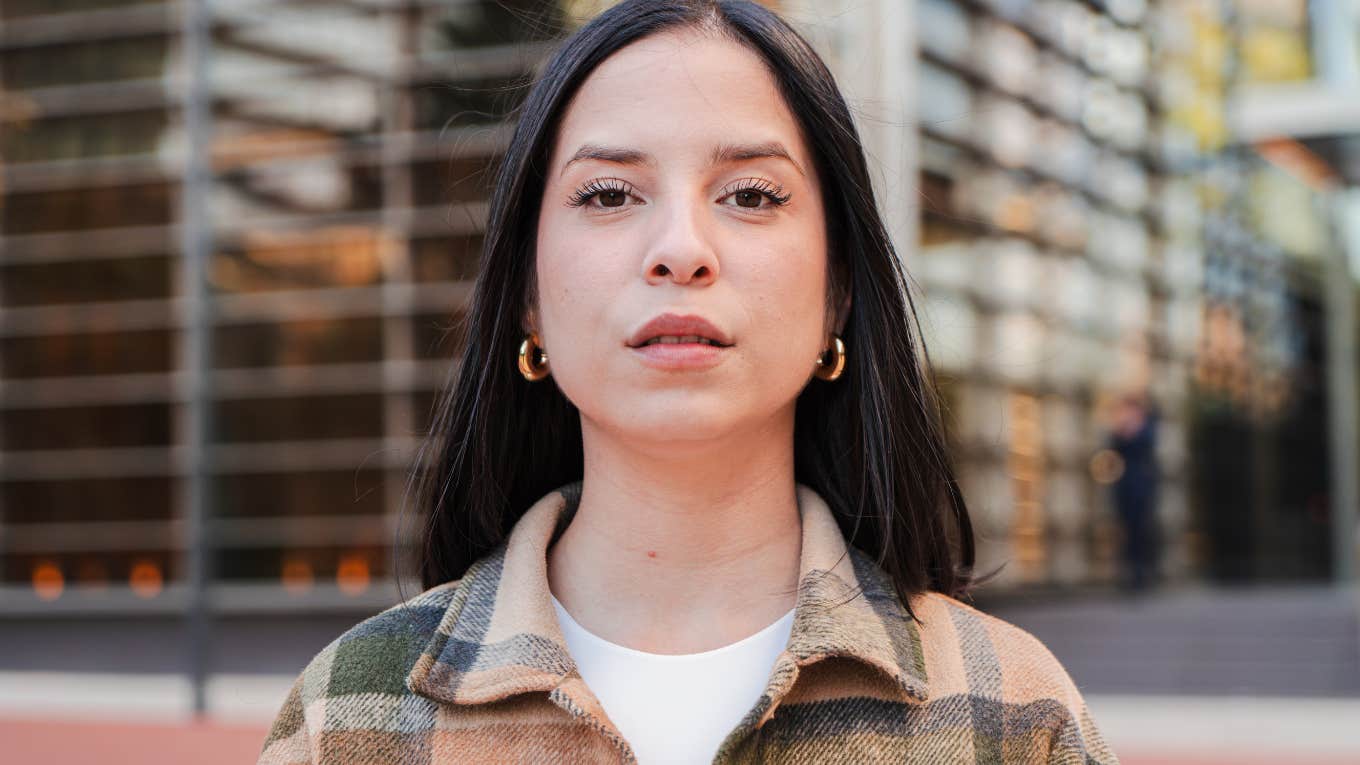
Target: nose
<point>681,250</point>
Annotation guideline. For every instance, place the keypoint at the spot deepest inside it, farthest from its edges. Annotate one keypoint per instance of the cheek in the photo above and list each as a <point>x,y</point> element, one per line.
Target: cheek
<point>788,285</point>
<point>576,280</point>
<point>785,285</point>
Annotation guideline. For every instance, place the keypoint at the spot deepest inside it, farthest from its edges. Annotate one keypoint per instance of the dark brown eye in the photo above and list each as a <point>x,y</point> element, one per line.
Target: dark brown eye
<point>613,193</point>
<point>749,196</point>
<point>753,190</point>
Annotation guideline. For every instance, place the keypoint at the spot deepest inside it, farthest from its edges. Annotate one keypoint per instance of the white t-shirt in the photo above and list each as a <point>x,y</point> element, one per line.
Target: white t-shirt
<point>675,708</point>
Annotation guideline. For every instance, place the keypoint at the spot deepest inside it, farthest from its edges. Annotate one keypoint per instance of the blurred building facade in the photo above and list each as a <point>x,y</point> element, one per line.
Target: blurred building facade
<point>234,237</point>
<point>1091,226</point>
<point>337,225</point>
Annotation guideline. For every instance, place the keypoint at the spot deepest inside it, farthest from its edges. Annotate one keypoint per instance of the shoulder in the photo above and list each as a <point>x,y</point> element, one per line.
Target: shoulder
<point>377,653</point>
<point>981,655</point>
<point>357,678</point>
<point>986,639</point>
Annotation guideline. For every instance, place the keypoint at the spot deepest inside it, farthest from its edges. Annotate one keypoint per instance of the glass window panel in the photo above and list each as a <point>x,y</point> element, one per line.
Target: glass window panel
<point>323,492</point>
<point>441,259</point>
<point>422,410</point>
<point>468,102</point>
<point>82,136</point>
<point>440,182</point>
<point>146,570</point>
<point>145,204</point>
<point>939,229</point>
<point>124,498</point>
<point>353,568</point>
<point>126,58</point>
<point>84,281</point>
<point>492,22</point>
<point>438,336</point>
<point>91,353</point>
<point>317,185</point>
<point>299,106</point>
<point>17,9</point>
<point>332,256</point>
<point>310,341</point>
<point>86,427</point>
<point>307,417</point>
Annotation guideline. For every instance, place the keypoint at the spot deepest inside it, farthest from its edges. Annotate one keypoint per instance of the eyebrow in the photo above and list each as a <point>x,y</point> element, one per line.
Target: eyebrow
<point>722,154</point>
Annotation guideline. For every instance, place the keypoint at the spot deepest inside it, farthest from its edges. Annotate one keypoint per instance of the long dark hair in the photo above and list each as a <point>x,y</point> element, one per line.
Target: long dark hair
<point>872,443</point>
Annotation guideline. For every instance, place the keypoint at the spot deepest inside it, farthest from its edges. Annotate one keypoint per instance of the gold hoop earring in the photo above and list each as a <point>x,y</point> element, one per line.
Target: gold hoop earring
<point>830,370</point>
<point>533,358</point>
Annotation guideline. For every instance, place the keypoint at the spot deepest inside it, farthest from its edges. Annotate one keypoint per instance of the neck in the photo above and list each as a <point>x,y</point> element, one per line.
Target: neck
<point>680,550</point>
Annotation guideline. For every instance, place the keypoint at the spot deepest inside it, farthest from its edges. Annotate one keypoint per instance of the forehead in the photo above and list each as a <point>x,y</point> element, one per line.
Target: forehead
<point>677,94</point>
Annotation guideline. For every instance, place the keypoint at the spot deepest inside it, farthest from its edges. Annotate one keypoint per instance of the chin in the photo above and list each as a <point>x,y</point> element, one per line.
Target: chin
<point>657,418</point>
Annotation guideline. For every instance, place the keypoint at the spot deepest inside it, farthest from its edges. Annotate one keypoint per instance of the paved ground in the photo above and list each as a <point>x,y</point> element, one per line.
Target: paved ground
<point>1198,640</point>
<point>77,742</point>
<point>1200,730</point>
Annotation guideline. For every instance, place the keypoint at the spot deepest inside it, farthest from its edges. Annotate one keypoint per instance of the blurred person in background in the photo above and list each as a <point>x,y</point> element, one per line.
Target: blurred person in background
<point>651,535</point>
<point>1133,438</point>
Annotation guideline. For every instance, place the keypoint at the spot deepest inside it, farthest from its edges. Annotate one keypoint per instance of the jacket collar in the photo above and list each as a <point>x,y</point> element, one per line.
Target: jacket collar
<point>499,635</point>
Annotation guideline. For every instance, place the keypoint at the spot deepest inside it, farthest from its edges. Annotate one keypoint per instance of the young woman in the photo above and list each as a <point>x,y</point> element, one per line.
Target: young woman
<point>691,501</point>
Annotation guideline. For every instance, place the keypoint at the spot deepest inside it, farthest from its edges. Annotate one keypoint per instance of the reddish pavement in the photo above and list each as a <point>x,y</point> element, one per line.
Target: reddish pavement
<point>113,743</point>
<point>1134,758</point>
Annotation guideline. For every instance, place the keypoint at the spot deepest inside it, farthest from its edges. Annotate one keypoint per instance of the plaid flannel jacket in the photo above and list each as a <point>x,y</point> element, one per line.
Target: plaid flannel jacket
<point>477,671</point>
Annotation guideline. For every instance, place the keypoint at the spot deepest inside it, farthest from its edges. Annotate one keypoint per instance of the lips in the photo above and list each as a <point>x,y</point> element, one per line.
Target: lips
<point>673,328</point>
<point>672,339</point>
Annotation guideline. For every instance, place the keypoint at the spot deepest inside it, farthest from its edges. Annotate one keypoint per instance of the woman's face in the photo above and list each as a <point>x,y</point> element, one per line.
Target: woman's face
<point>668,192</point>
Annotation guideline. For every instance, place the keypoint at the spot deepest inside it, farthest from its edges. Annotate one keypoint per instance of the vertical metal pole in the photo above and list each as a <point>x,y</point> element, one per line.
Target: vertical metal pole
<point>1333,24</point>
<point>196,344</point>
<point>1335,47</point>
<point>398,298</point>
<point>1342,389</point>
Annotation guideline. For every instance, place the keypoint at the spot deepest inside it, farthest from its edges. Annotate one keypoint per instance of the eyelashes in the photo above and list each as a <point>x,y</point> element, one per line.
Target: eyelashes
<point>598,186</point>
<point>771,191</point>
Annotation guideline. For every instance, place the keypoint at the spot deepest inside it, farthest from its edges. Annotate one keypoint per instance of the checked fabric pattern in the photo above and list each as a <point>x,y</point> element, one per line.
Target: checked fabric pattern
<point>477,671</point>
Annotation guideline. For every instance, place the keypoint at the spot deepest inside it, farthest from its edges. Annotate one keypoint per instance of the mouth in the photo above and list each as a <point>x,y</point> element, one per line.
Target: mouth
<point>679,329</point>
<point>680,339</point>
<point>681,353</point>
